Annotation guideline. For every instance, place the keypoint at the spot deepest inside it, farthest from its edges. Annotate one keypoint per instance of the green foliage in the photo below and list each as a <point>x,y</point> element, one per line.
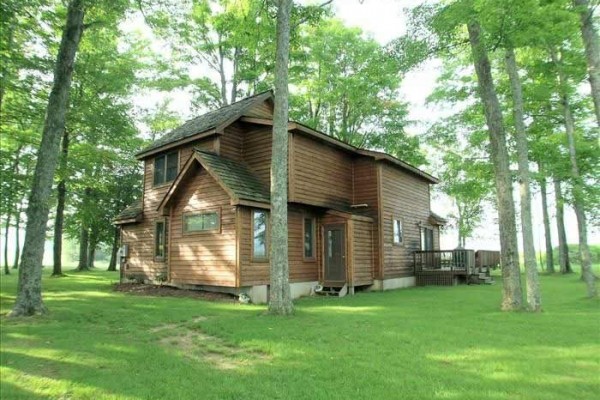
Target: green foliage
<point>346,85</point>
<point>536,30</point>
<point>575,256</point>
<point>424,343</point>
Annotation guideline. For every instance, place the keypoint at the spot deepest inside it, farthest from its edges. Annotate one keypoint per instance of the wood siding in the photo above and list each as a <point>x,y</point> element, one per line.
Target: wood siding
<point>262,110</point>
<point>257,153</point>
<point>231,141</point>
<point>140,237</point>
<point>257,273</point>
<point>365,188</point>
<point>321,175</point>
<point>406,197</point>
<point>361,252</point>
<point>203,258</point>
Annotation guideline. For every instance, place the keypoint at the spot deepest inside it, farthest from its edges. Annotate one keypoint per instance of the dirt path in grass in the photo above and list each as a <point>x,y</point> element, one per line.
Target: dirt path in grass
<point>141,289</point>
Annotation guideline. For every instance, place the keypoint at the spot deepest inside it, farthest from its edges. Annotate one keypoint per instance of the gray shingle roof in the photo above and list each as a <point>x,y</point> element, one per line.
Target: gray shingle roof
<point>207,121</point>
<point>236,177</point>
<point>131,212</point>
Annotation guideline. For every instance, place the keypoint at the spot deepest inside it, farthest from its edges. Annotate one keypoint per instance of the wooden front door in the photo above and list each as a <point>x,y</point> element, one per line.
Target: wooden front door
<point>335,253</point>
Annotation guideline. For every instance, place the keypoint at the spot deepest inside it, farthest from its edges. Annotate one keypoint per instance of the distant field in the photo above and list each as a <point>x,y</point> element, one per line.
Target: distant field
<point>420,343</point>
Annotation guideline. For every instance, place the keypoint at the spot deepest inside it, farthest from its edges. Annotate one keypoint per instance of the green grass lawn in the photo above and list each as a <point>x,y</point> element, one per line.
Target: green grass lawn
<point>421,343</point>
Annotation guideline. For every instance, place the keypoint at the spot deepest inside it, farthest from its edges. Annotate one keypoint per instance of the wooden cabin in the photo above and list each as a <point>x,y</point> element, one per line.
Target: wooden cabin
<point>356,217</point>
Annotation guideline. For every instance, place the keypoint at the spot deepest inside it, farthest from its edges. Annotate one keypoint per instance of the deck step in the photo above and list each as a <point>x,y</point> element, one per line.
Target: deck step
<point>332,291</point>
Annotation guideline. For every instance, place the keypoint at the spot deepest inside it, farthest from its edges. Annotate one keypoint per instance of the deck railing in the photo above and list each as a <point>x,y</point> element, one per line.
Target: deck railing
<point>487,259</point>
<point>444,260</point>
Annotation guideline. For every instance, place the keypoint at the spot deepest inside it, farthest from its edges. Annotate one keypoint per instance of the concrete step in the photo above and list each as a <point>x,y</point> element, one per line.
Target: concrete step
<point>331,291</point>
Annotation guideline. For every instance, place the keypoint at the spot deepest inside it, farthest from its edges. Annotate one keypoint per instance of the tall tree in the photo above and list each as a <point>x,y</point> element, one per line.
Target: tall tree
<point>534,300</point>
<point>280,302</point>
<point>563,249</point>
<point>59,219</point>
<point>584,250</point>
<point>29,291</point>
<point>546,220</point>
<point>509,255</point>
<point>591,43</point>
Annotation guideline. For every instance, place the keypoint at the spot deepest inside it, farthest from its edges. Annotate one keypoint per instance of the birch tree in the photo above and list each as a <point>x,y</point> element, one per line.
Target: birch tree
<point>280,302</point>
<point>29,291</point>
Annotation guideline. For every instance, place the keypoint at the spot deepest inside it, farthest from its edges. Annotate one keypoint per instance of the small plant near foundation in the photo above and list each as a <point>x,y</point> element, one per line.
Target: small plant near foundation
<point>135,278</point>
<point>161,278</point>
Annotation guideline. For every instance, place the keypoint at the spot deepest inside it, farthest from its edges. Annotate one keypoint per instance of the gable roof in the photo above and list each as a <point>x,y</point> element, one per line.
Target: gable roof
<point>377,155</point>
<point>242,186</point>
<point>235,176</point>
<point>215,119</point>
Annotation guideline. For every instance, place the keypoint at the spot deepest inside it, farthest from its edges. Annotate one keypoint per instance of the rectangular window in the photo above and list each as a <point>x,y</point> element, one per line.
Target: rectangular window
<point>398,233</point>
<point>166,167</point>
<point>426,239</point>
<point>309,237</point>
<point>159,240</point>
<point>259,235</point>
<point>201,222</point>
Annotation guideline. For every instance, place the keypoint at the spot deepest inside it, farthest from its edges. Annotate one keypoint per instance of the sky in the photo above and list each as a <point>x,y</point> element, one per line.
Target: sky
<point>385,20</point>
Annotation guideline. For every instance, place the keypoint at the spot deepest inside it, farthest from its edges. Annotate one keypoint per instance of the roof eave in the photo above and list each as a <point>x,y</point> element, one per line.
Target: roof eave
<point>125,221</point>
<point>202,135</point>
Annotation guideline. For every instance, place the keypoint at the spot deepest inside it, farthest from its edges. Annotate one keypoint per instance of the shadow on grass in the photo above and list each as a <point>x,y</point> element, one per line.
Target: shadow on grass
<point>18,392</point>
<point>418,343</point>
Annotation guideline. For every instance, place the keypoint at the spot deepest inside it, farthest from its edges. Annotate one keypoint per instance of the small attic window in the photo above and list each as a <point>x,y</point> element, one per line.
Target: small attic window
<point>166,167</point>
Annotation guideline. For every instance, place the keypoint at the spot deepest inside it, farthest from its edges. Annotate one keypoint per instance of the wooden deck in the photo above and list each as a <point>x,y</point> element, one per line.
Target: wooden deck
<point>451,267</point>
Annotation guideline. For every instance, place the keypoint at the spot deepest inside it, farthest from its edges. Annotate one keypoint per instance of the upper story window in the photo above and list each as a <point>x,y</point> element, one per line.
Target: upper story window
<point>207,221</point>
<point>398,233</point>
<point>309,237</point>
<point>259,235</point>
<point>166,167</point>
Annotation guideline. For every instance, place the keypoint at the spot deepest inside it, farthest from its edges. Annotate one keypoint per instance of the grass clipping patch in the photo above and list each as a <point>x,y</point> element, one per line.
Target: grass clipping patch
<point>192,343</point>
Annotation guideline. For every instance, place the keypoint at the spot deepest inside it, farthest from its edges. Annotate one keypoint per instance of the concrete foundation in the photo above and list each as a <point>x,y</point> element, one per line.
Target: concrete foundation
<point>259,294</point>
<point>393,283</point>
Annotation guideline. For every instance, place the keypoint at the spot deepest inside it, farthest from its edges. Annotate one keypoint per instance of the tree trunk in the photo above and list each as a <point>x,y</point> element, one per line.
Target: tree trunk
<point>547,232</point>
<point>29,291</point>
<point>280,302</point>
<point>7,227</point>
<point>60,206</point>
<point>17,240</point>
<point>84,241</point>
<point>92,246</point>
<point>222,74</point>
<point>591,43</point>
<point>563,249</point>
<point>234,81</point>
<point>534,298</point>
<point>112,265</point>
<point>584,250</point>
<point>509,254</point>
